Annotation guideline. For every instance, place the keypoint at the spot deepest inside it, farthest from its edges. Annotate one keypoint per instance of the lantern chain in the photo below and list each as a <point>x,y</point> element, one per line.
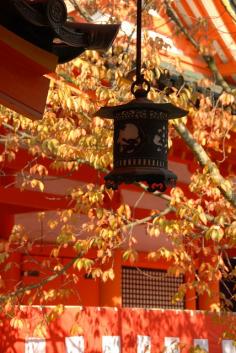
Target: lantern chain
<point>140,80</point>
<point>138,42</point>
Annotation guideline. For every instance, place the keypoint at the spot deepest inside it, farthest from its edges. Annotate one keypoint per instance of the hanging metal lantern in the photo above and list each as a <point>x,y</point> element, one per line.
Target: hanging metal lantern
<point>141,142</point>
<point>141,134</point>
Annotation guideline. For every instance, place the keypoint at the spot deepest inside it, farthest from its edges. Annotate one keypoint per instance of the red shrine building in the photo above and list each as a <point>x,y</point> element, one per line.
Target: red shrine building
<point>134,312</point>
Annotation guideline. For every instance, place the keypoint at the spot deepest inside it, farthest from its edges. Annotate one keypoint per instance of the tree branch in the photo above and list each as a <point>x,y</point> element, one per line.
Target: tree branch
<point>44,281</point>
<point>149,218</point>
<point>82,12</point>
<point>205,161</point>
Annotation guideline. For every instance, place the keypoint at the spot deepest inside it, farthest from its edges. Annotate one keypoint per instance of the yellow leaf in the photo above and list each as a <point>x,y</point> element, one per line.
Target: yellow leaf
<point>215,307</point>
<point>55,252</point>
<point>130,255</point>
<point>182,212</point>
<point>40,330</point>
<point>76,329</point>
<point>127,212</point>
<point>105,276</point>
<point>121,210</point>
<point>153,256</point>
<point>99,212</point>
<point>16,323</point>
<point>111,274</point>
<point>203,218</point>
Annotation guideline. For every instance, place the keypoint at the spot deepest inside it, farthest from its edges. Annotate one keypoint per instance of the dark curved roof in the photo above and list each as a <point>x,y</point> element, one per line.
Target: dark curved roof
<point>45,24</point>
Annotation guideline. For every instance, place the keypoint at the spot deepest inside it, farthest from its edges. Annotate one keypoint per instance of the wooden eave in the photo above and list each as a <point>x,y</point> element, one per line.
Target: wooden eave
<point>23,86</point>
<point>219,34</point>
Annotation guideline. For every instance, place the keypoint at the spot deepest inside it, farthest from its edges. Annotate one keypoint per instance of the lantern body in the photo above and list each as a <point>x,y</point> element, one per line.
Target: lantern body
<point>141,143</point>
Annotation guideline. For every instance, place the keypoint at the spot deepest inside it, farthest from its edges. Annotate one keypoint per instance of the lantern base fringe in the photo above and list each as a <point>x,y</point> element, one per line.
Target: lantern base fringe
<point>157,179</point>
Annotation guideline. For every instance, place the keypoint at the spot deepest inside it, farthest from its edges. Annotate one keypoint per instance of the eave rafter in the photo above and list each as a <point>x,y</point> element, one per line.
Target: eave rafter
<point>227,69</point>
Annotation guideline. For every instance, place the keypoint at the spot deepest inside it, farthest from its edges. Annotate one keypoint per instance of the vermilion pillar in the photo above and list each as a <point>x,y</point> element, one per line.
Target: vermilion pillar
<point>206,302</point>
<point>6,214</point>
<point>209,301</point>
<point>190,297</point>
<point>110,291</point>
<point>12,276</point>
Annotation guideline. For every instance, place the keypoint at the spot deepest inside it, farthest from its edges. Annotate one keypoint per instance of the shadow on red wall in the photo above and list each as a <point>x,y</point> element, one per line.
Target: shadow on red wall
<point>93,323</point>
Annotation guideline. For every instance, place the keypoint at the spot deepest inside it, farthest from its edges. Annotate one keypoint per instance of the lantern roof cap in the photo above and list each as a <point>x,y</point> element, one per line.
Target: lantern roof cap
<point>172,112</point>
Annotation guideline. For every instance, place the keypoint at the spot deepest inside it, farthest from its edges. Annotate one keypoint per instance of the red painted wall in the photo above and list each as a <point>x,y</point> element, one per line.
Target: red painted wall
<point>125,323</point>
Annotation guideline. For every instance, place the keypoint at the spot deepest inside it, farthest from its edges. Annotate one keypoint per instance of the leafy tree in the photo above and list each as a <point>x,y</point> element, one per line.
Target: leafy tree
<point>202,228</point>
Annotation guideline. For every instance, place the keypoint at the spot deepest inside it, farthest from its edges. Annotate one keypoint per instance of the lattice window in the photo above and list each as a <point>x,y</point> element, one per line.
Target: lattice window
<point>148,288</point>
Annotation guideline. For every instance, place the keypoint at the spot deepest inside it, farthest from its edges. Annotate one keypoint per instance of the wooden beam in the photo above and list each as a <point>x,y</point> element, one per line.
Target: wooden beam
<point>33,201</point>
<point>84,174</point>
<point>15,201</point>
<point>42,61</point>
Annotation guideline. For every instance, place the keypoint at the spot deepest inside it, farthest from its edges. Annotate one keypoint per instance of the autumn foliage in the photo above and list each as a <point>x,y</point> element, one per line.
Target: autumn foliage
<point>200,225</point>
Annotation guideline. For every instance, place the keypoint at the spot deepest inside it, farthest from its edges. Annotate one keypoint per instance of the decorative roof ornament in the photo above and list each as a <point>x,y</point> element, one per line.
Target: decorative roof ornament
<point>141,133</point>
<point>44,23</point>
